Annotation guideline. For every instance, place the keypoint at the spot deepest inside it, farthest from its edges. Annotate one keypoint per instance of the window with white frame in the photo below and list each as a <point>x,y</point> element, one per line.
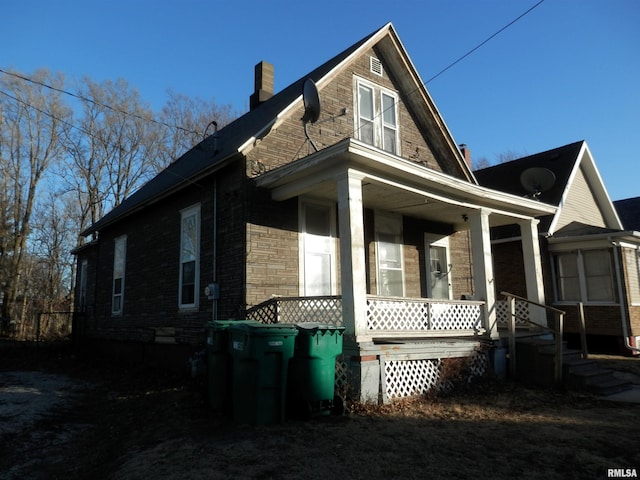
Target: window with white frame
<point>119,262</point>
<point>585,276</point>
<point>189,257</point>
<point>82,286</point>
<point>389,255</point>
<point>377,116</point>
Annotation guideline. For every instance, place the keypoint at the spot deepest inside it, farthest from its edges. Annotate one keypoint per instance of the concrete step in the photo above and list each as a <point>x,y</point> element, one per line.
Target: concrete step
<point>535,364</point>
<point>614,385</point>
<point>585,374</point>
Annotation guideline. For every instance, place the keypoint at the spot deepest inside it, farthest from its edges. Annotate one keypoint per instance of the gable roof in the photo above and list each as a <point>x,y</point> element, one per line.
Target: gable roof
<point>239,136</point>
<point>565,163</point>
<point>629,213</point>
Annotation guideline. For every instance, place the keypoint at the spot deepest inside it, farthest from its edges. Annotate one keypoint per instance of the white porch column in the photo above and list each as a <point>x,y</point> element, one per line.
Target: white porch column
<point>533,268</point>
<point>352,254</point>
<point>483,278</point>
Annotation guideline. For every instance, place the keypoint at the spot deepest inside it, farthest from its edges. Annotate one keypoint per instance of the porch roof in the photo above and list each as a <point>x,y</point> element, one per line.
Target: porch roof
<point>398,185</point>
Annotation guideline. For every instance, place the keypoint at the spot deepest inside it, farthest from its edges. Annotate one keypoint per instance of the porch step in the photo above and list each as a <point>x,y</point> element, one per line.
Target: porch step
<point>587,375</point>
<point>535,363</point>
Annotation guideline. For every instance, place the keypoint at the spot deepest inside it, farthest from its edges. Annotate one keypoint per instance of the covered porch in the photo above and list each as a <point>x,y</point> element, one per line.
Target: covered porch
<point>381,329</point>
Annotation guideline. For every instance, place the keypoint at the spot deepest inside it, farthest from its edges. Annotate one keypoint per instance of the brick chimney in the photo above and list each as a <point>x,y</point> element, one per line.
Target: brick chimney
<point>263,84</point>
<point>466,153</point>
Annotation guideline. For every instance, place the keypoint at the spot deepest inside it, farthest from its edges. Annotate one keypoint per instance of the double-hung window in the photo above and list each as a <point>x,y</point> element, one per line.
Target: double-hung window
<point>377,116</point>
<point>119,261</point>
<point>189,257</point>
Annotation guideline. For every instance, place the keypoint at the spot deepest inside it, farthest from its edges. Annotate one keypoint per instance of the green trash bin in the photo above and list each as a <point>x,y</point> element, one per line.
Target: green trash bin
<point>312,371</point>
<point>261,355</point>
<point>219,363</point>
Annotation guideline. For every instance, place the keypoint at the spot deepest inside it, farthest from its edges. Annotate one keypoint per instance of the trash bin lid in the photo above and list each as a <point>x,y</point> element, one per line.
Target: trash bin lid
<point>313,327</point>
<point>262,329</point>
<point>225,324</point>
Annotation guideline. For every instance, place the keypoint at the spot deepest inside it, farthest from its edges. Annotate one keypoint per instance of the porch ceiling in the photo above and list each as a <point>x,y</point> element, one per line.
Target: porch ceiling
<point>393,184</point>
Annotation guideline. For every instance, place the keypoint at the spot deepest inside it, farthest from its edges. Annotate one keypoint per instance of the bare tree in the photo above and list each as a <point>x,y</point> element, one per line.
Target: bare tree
<point>187,121</point>
<point>33,126</point>
<point>113,149</point>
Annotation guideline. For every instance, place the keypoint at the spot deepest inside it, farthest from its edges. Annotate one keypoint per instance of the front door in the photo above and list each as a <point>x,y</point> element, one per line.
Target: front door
<point>318,249</point>
<point>438,267</point>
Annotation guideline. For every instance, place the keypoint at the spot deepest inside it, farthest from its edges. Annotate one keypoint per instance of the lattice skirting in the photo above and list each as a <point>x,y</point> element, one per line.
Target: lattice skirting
<point>404,378</point>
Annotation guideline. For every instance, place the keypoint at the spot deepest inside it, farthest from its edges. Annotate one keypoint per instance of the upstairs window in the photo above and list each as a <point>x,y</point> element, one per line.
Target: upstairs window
<point>119,261</point>
<point>189,257</point>
<point>377,116</point>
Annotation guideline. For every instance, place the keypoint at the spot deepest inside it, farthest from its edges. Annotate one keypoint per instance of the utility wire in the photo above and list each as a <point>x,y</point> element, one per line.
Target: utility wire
<point>100,104</point>
<point>50,115</point>
<point>455,62</point>
<point>482,43</point>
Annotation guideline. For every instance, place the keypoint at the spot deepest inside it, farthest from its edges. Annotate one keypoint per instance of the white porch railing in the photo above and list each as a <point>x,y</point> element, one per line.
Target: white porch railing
<point>386,316</point>
<point>392,316</point>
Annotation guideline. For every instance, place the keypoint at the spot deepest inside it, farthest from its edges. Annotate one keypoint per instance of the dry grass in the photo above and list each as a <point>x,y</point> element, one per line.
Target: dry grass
<point>143,425</point>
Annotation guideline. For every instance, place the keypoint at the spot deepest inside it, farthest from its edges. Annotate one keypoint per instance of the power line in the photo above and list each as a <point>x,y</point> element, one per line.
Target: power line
<point>483,42</point>
<point>100,104</point>
<point>48,114</point>
<point>455,62</point>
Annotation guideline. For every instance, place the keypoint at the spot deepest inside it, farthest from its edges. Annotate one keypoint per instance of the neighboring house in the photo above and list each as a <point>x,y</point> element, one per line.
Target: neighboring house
<point>629,213</point>
<point>588,256</point>
<point>383,229</point>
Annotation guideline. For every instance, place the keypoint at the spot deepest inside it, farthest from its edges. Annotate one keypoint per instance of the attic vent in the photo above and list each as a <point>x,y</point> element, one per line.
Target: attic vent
<point>375,65</point>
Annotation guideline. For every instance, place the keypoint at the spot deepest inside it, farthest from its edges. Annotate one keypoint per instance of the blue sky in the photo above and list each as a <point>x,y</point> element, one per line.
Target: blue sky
<point>567,71</point>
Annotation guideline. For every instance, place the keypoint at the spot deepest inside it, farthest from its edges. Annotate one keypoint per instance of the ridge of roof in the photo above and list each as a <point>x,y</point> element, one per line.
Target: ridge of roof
<point>221,147</point>
<point>506,176</point>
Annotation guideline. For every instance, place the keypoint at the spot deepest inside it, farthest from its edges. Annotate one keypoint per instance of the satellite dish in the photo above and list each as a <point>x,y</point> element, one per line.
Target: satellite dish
<point>536,180</point>
<point>311,101</point>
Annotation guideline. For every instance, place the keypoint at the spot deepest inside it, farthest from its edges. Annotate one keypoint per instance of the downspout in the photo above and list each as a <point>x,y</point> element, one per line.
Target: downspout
<point>621,295</point>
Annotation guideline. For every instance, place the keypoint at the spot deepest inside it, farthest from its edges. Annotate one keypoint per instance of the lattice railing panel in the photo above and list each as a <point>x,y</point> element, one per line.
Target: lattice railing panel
<point>456,316</point>
<point>384,314</point>
<point>422,314</point>
<point>502,312</point>
<point>324,310</point>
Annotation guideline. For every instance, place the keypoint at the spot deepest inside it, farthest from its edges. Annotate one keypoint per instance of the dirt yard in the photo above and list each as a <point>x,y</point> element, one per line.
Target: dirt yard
<point>65,418</point>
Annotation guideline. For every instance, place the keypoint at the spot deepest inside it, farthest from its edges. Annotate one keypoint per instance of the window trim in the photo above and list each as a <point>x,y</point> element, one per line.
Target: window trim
<point>582,277</point>
<point>377,94</point>
<point>119,242</point>
<point>186,213</point>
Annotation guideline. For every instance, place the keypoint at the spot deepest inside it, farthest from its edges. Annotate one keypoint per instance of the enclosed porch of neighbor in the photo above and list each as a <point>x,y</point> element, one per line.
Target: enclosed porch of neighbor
<point>397,337</point>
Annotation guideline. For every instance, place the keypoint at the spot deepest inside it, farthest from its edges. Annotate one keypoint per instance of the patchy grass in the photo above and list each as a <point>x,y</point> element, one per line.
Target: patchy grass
<point>142,424</point>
